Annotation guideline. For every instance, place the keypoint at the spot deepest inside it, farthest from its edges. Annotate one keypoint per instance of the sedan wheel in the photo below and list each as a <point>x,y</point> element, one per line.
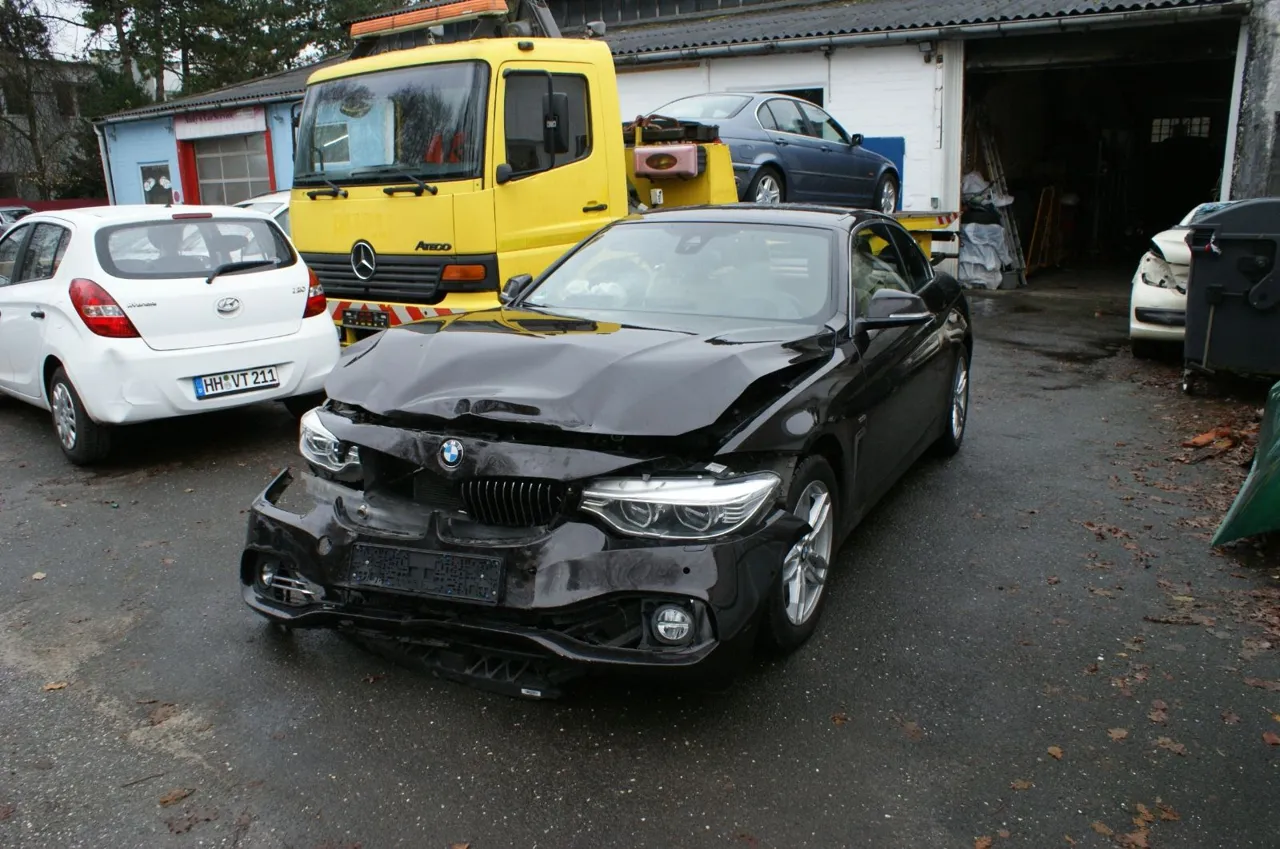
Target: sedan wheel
<point>950,441</point>
<point>768,189</point>
<point>887,196</point>
<point>795,605</point>
<point>804,572</point>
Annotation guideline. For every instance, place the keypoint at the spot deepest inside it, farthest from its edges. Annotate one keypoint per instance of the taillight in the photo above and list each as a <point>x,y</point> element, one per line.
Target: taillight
<point>99,311</point>
<point>316,302</point>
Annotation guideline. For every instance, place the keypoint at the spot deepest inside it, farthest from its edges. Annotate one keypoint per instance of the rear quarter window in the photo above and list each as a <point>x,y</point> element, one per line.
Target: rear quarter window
<point>189,248</point>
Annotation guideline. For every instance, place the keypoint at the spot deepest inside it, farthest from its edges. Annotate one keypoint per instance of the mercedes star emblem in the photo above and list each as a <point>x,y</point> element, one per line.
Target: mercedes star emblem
<point>364,261</point>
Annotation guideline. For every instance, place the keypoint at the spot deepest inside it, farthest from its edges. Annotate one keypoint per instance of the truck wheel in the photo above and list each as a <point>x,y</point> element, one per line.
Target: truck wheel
<point>83,440</point>
<point>767,187</point>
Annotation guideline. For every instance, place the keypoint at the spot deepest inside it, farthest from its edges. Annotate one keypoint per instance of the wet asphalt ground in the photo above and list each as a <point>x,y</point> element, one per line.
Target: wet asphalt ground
<point>989,668</point>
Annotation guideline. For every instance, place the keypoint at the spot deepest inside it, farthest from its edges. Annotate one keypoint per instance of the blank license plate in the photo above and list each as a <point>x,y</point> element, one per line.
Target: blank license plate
<point>443,574</point>
<point>231,382</point>
<point>366,318</point>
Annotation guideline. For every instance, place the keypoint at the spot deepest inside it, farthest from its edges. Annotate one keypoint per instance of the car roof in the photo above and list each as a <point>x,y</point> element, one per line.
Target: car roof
<point>270,197</point>
<point>794,214</point>
<point>102,216</point>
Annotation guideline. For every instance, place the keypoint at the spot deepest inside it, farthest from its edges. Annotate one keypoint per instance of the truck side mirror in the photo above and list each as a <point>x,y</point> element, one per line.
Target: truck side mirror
<point>555,122</point>
<point>513,287</point>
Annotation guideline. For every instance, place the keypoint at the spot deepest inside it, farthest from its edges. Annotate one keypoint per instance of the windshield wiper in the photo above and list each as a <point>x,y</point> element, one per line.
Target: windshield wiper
<point>419,186</point>
<point>243,265</point>
<point>333,190</point>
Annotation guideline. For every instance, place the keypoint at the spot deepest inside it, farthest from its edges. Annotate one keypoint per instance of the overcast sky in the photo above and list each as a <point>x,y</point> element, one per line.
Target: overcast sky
<point>69,41</point>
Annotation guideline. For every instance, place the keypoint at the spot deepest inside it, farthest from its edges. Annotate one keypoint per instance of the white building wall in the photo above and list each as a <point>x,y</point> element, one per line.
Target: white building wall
<point>876,91</point>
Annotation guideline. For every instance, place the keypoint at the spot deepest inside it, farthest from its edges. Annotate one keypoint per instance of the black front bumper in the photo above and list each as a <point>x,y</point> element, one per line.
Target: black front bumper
<point>573,597</point>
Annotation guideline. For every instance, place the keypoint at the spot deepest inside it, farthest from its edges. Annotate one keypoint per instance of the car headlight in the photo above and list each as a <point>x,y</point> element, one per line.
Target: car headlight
<point>679,507</point>
<point>321,447</point>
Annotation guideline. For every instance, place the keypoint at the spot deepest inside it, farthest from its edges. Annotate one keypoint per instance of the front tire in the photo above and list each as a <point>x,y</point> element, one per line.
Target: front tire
<point>948,444</point>
<point>767,187</point>
<point>1144,349</point>
<point>886,197</point>
<point>795,605</point>
<point>83,440</point>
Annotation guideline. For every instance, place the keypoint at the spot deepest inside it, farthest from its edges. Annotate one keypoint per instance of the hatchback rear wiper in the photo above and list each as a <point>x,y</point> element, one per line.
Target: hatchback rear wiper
<point>419,186</point>
<point>243,265</point>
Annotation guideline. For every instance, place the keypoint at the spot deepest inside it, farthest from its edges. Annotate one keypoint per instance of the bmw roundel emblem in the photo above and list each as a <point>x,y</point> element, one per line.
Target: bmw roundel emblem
<point>450,453</point>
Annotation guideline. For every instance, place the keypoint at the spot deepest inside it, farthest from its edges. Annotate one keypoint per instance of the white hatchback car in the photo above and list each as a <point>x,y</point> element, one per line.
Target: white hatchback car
<point>1158,299</point>
<point>275,204</point>
<point>118,314</point>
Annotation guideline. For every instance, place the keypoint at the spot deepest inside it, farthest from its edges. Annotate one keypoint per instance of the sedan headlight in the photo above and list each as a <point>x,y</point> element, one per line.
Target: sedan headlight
<point>679,507</point>
<point>322,448</point>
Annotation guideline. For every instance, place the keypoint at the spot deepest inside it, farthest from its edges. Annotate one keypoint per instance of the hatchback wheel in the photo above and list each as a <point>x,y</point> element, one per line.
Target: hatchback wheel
<point>796,602</point>
<point>767,187</point>
<point>83,440</point>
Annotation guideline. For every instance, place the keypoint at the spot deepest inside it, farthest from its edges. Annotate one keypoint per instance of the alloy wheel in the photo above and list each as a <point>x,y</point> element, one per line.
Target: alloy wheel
<point>889,198</point>
<point>768,190</point>
<point>960,398</point>
<point>64,415</point>
<point>804,572</point>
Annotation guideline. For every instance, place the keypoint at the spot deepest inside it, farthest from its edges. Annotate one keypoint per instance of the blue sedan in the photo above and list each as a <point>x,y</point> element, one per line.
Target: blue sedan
<point>787,150</point>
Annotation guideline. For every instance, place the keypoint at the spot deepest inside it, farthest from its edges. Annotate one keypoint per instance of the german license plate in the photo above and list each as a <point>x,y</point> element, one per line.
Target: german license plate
<point>443,574</point>
<point>231,382</point>
<point>376,319</point>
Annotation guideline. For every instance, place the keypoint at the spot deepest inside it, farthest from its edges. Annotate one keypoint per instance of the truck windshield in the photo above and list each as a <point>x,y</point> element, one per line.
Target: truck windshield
<point>426,121</point>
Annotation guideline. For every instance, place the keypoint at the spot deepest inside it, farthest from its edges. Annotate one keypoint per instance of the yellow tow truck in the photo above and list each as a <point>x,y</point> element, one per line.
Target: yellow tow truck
<point>426,174</point>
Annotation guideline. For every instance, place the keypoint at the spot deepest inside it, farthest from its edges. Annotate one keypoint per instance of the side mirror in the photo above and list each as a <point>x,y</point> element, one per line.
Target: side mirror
<point>894,308</point>
<point>513,287</point>
<point>555,122</point>
<point>856,140</point>
<point>503,174</point>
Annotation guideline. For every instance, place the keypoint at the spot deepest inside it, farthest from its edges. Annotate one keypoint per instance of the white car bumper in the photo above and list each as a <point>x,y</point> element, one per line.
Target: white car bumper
<point>1155,312</point>
<point>130,382</point>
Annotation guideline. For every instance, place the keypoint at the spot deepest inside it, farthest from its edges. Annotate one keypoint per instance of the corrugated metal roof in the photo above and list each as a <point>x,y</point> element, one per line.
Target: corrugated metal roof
<point>282,86</point>
<point>791,20</point>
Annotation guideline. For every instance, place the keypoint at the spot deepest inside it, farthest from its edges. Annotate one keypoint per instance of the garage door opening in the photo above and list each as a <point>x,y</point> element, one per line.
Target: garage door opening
<point>1105,138</point>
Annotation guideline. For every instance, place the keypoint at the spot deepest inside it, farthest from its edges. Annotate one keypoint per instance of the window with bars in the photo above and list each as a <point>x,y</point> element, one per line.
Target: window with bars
<point>1166,128</point>
<point>232,168</point>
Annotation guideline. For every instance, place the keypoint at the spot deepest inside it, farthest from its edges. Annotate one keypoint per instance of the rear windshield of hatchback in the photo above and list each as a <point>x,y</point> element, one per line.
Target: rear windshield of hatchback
<point>189,248</point>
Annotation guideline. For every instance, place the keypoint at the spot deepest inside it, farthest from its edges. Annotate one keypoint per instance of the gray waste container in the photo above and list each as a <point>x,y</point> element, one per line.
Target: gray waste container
<point>1233,294</point>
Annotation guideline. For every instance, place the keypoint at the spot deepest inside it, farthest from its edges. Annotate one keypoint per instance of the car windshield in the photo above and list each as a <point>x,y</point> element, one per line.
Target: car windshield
<point>168,249</point>
<point>425,121</point>
<point>705,107</point>
<point>723,269</point>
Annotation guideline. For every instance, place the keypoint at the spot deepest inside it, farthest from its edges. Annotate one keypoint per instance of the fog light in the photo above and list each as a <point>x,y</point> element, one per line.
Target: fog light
<point>267,574</point>
<point>672,624</point>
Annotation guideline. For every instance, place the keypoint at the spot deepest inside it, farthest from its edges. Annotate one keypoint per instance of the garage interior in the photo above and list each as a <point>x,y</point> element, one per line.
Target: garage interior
<point>1105,138</point>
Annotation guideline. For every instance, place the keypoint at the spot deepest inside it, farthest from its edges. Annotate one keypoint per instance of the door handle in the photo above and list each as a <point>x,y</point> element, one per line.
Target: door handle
<point>598,207</point>
<point>783,142</point>
<point>37,313</point>
<point>826,149</point>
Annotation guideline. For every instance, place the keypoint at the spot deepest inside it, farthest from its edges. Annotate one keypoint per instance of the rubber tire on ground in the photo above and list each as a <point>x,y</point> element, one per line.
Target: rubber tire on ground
<point>875,198</point>
<point>948,445</point>
<point>298,405</point>
<point>93,441</point>
<point>750,196</point>
<point>777,632</point>
<point>1144,349</point>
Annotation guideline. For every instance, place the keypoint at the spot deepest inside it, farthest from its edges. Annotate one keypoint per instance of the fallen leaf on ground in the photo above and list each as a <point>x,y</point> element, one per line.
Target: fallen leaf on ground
<point>1101,828</point>
<point>1271,738</point>
<point>1003,834</point>
<point>459,846</point>
<point>168,561</point>
<point>184,823</point>
<point>982,842</point>
<point>38,576</point>
<point>1144,814</point>
<point>175,796</point>
<point>1117,734</point>
<point>1067,837</point>
<point>1170,745</point>
<point>1054,579</point>
<point>1021,784</point>
<point>839,718</point>
<point>6,811</point>
<point>160,713</point>
<point>1134,840</point>
<point>1159,712</point>
<point>188,489</point>
<point>913,731</point>
<point>54,685</point>
<point>1167,813</point>
<point>1207,438</point>
<point>1230,717</point>
<point>1262,684</point>
<point>1091,669</point>
<point>1056,752</point>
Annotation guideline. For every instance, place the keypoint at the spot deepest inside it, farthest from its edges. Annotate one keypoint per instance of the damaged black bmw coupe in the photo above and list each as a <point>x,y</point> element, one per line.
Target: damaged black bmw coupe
<point>645,459</point>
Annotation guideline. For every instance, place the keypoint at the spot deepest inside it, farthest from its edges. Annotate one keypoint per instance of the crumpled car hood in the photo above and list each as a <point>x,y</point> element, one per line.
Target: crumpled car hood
<point>572,373</point>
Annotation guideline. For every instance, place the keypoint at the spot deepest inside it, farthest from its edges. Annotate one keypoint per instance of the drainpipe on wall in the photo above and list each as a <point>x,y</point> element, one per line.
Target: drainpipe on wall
<point>106,163</point>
